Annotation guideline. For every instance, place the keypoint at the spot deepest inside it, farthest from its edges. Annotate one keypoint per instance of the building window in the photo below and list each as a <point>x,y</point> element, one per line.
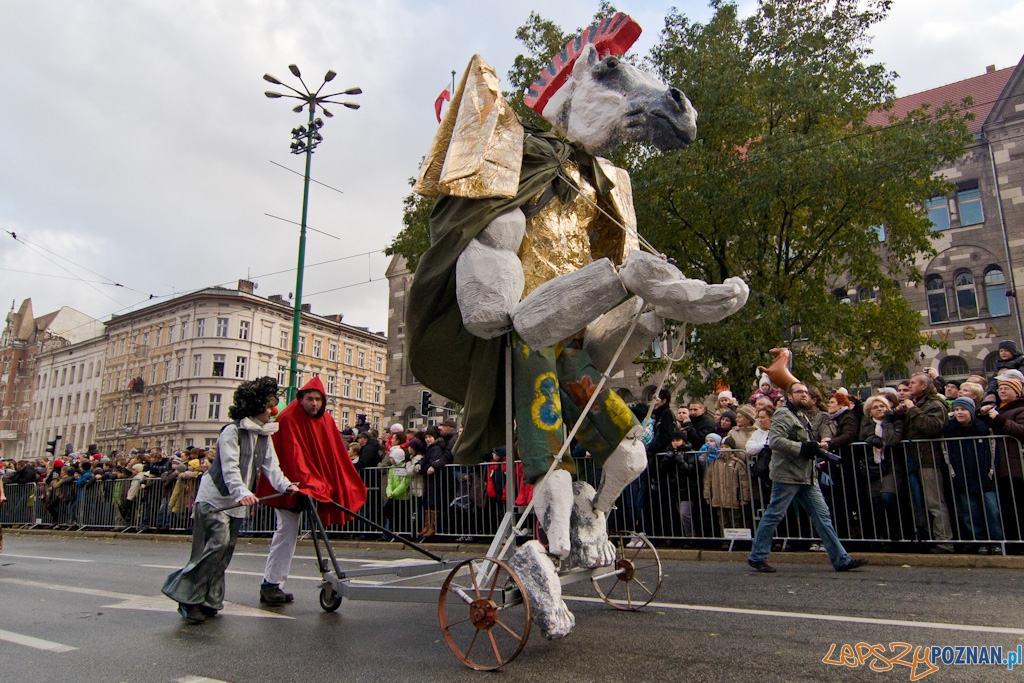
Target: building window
<point>332,352</point>
<point>361,358</point>
<point>193,406</point>
<point>867,294</point>
<point>174,409</point>
<point>158,337</point>
<point>969,203</point>
<point>181,367</point>
<point>162,417</point>
<point>376,393</point>
<point>379,364</point>
<point>938,213</point>
<point>298,378</point>
<point>331,385</point>
<point>218,364</point>
<point>966,296</point>
<point>346,388</point>
<point>284,339</point>
<point>222,327</point>
<point>240,362</point>
<point>990,363</point>
<point>345,416</point>
<point>243,330</point>
<point>200,327</point>
<point>302,344</point>
<point>184,329</point>
<point>197,364</point>
<point>63,376</point>
<point>153,372</point>
<point>359,391</point>
<point>318,348</point>
<point>937,311</point>
<point>213,413</point>
<point>170,333</point>
<point>282,375</point>
<point>149,412</point>
<point>348,356</point>
<point>995,292</point>
<point>953,366</point>
<point>167,370</point>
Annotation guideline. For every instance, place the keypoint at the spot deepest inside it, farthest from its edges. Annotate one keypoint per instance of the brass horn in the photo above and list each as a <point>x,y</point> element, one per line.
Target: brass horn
<point>778,371</point>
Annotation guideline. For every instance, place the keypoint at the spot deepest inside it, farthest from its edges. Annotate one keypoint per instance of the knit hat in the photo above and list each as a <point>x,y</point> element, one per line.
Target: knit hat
<point>967,403</point>
<point>1009,346</point>
<point>395,428</point>
<point>194,465</point>
<point>58,463</point>
<point>725,394</point>
<point>1012,382</point>
<point>182,467</point>
<point>729,414</point>
<point>714,437</point>
<point>138,467</point>
<point>1012,374</point>
<point>748,412</point>
<point>417,445</point>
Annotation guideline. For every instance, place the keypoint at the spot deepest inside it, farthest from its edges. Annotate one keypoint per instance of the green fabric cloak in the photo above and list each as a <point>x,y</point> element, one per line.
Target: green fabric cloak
<point>442,354</point>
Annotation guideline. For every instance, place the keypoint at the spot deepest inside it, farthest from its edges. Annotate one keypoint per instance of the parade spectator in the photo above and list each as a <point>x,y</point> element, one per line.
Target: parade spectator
<point>726,484</point>
<point>416,448</point>
<point>725,401</point>
<point>685,425</point>
<point>1009,359</point>
<point>924,415</point>
<point>951,391</point>
<point>765,390</point>
<point>1008,420</point>
<point>664,426</point>
<point>701,423</point>
<point>882,430</point>
<point>970,464</point>
<point>973,391</point>
<point>396,493</point>
<point>390,441</point>
<point>679,463</point>
<point>792,472</point>
<point>369,451</point>
<point>738,436</point>
<point>725,422</point>
<point>432,468</point>
<point>844,424</point>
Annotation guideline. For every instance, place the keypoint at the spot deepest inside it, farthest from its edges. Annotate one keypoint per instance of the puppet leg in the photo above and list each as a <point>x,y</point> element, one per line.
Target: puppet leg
<point>589,530</point>
<point>537,572</point>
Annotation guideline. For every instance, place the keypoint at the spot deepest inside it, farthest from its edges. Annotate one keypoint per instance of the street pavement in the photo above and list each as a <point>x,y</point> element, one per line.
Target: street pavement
<point>90,609</point>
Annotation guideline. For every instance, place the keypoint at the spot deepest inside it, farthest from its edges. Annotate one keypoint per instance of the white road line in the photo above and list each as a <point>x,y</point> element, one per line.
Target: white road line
<point>401,562</point>
<point>43,557</point>
<point>198,679</point>
<point>150,603</point>
<point>37,643</point>
<point>820,617</point>
<point>232,571</point>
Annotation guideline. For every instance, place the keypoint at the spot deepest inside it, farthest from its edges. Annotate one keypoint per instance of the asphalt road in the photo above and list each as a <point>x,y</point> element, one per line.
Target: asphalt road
<point>94,607</point>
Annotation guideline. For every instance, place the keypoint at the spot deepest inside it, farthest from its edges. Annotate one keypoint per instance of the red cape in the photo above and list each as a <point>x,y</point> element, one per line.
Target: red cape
<point>313,455</point>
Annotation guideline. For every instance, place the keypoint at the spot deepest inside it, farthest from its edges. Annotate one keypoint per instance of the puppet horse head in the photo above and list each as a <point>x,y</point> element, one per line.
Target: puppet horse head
<point>607,102</point>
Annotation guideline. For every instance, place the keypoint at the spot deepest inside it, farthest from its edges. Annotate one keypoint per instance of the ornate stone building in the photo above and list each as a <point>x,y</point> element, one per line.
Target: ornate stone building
<point>171,368</point>
<point>968,297</point>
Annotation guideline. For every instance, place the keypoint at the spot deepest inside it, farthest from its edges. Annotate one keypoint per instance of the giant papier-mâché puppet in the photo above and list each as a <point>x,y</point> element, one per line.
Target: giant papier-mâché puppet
<point>534,234</point>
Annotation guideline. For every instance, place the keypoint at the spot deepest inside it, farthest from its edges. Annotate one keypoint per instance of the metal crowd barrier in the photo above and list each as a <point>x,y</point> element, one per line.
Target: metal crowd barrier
<point>966,498</point>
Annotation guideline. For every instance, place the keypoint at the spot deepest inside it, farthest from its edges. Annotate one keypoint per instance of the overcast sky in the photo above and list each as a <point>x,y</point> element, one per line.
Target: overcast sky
<point>136,143</point>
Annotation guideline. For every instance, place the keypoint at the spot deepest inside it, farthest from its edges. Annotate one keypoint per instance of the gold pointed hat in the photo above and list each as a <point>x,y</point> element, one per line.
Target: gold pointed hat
<point>478,149</point>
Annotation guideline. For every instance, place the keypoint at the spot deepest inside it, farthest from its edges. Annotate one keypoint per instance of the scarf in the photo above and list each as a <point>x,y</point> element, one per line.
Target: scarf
<point>878,453</point>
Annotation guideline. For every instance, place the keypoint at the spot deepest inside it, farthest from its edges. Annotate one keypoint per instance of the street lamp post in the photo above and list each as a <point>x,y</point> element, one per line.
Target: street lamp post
<point>304,140</point>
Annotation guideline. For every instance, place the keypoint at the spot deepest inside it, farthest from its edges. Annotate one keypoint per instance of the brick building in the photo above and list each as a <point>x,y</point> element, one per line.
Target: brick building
<point>968,295</point>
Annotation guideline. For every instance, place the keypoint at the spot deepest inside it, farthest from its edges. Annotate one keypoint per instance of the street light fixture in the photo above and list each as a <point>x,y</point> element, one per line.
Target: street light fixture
<point>304,140</point>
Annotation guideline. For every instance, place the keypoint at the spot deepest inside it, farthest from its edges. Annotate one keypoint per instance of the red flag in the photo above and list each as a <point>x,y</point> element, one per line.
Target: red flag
<point>445,96</point>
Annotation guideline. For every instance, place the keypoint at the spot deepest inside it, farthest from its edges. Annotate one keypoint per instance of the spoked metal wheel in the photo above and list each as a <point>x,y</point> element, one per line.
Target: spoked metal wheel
<point>485,613</point>
<point>329,600</point>
<point>635,578</point>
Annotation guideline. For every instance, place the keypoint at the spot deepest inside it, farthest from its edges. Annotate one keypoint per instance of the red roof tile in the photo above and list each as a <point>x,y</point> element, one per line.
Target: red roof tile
<point>985,90</point>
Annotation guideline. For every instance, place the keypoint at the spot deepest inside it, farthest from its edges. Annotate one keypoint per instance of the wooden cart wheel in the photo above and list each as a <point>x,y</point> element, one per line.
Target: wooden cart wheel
<point>635,578</point>
<point>484,613</point>
<point>329,600</point>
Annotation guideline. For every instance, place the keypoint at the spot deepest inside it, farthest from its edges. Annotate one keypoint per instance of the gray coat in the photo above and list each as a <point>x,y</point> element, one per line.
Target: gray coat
<point>789,431</point>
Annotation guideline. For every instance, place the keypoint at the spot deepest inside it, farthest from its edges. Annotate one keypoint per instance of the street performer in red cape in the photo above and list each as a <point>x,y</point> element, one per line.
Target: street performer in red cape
<point>311,450</point>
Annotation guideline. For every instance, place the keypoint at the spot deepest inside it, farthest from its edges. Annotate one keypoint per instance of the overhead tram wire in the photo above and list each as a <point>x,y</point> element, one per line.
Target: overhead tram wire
<point>301,175</point>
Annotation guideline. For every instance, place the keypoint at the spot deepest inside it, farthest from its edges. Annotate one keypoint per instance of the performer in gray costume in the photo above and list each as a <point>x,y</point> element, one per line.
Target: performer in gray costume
<point>244,449</point>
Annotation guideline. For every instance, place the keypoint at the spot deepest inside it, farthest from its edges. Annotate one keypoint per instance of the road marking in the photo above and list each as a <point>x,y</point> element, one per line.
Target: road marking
<point>819,617</point>
<point>37,643</point>
<point>198,679</point>
<point>43,557</point>
<point>232,571</point>
<point>401,562</point>
<point>150,603</point>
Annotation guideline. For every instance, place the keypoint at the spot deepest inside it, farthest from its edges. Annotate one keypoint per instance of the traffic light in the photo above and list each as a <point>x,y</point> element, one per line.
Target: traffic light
<point>51,446</point>
<point>425,403</point>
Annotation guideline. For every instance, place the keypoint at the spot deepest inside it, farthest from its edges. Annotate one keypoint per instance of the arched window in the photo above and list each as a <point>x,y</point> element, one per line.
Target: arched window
<point>966,296</point>
<point>990,363</point>
<point>953,366</point>
<point>995,292</point>
<point>937,311</point>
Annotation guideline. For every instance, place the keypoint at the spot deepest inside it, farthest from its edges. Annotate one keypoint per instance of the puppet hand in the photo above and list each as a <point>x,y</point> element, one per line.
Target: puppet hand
<point>248,501</point>
<point>294,488</point>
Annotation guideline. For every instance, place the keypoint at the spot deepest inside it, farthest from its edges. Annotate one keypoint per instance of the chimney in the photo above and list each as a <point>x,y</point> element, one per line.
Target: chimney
<point>276,298</point>
<point>990,68</point>
<point>336,317</point>
<point>307,308</point>
<point>246,286</point>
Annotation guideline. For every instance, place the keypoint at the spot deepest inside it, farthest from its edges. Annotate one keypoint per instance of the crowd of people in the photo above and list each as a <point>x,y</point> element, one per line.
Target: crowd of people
<point>921,462</point>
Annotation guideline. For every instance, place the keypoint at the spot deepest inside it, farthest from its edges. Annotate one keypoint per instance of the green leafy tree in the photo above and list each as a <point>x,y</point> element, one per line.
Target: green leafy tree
<point>788,187</point>
<point>414,237</point>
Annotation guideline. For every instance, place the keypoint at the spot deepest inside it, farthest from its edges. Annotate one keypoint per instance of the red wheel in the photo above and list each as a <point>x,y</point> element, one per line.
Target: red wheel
<point>484,613</point>
<point>635,578</point>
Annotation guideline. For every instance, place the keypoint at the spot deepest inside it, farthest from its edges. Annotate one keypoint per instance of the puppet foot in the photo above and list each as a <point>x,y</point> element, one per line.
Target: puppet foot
<point>537,573</point>
<point>553,505</point>
<point>626,463</point>
<point>674,296</point>
<point>589,530</point>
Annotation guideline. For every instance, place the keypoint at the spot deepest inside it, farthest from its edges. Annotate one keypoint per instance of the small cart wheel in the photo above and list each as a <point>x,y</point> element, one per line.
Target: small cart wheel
<point>329,600</point>
<point>635,578</point>
<point>484,613</point>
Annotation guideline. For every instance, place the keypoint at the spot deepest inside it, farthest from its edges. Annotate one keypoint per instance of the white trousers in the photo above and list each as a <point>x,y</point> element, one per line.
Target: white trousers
<point>282,546</point>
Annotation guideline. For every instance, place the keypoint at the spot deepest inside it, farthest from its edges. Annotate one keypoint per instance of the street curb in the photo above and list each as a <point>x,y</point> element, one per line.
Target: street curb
<point>944,561</point>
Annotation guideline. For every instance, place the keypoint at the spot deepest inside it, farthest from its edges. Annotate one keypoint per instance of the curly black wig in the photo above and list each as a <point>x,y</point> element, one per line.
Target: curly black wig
<point>251,398</point>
